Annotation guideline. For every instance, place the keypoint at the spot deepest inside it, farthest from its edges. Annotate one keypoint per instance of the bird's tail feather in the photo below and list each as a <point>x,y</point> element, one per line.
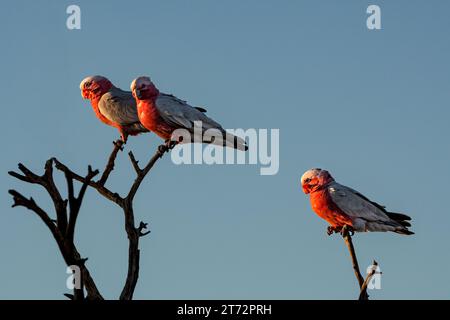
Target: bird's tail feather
<point>235,142</point>
<point>404,231</point>
<point>227,140</point>
<point>402,220</point>
<point>385,226</point>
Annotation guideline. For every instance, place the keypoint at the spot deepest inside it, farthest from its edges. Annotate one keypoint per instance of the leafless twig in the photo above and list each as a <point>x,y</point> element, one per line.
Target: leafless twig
<point>373,271</point>
<point>348,241</point>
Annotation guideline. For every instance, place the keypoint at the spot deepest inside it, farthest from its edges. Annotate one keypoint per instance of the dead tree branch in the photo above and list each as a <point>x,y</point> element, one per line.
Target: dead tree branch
<point>59,228</point>
<point>363,291</point>
<point>118,146</point>
<point>348,241</point>
<point>126,204</point>
<point>63,228</point>
<point>135,233</point>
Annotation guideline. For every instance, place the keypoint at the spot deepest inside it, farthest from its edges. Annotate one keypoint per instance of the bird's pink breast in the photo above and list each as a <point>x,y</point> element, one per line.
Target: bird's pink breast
<point>324,207</point>
<point>150,119</point>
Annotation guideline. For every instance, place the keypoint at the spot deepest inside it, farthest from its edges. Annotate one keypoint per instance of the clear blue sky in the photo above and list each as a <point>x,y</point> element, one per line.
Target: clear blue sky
<point>370,106</point>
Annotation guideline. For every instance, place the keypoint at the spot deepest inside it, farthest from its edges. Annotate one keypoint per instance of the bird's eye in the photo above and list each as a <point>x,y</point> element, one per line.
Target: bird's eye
<point>307,180</point>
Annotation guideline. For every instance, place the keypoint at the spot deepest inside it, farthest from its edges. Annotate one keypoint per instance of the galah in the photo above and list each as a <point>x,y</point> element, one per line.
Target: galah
<point>164,113</point>
<point>340,205</point>
<point>113,106</point>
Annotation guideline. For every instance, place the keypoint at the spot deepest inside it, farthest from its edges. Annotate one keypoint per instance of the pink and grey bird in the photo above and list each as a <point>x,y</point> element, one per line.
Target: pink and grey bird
<point>340,205</point>
<point>164,113</point>
<point>113,106</point>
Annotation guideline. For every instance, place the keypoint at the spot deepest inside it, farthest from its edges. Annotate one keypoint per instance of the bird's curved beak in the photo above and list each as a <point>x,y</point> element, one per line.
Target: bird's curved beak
<point>306,189</point>
<point>85,94</point>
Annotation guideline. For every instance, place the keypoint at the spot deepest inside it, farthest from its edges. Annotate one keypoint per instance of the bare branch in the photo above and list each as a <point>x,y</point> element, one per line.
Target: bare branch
<point>70,192</point>
<point>118,146</point>
<point>135,163</point>
<point>134,233</point>
<point>46,181</point>
<point>60,204</point>
<point>101,189</point>
<point>363,291</point>
<point>20,177</point>
<point>30,204</point>
<point>348,241</point>
<point>75,202</point>
<point>87,281</point>
<point>142,173</point>
<point>142,226</point>
<point>30,175</point>
<point>70,296</point>
<point>90,175</point>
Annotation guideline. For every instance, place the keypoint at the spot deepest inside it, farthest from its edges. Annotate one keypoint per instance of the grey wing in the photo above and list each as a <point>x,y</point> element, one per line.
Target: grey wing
<point>367,215</point>
<point>180,114</point>
<point>355,205</point>
<point>119,106</point>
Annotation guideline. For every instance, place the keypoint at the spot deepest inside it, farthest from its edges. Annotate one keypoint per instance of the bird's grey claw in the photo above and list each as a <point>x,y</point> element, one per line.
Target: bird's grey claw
<point>169,144</point>
<point>330,230</point>
<point>124,138</point>
<point>119,144</point>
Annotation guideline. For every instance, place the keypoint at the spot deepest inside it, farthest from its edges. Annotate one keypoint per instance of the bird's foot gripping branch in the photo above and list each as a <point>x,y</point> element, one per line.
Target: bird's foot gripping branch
<point>62,226</point>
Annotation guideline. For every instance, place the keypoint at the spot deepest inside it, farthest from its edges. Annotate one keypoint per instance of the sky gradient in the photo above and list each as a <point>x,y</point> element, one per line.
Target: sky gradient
<point>369,106</point>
